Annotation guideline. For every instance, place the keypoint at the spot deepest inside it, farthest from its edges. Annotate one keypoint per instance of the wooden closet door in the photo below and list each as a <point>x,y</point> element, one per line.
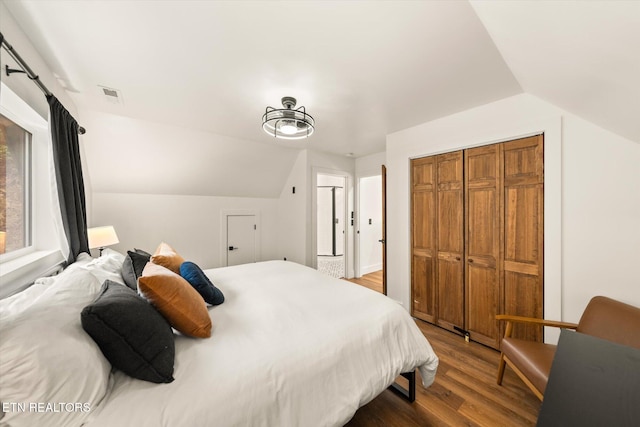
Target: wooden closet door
<point>524,232</point>
<point>483,183</point>
<point>423,238</point>
<point>450,242</point>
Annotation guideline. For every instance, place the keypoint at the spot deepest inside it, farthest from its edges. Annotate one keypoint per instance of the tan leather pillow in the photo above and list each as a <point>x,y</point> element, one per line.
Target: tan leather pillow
<point>167,257</point>
<point>176,300</point>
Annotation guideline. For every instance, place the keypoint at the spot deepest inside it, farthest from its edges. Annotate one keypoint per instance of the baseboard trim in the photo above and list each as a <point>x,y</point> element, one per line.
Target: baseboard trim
<point>370,269</point>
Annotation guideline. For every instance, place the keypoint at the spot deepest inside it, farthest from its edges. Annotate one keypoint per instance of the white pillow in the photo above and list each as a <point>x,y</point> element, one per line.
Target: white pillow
<point>46,357</point>
<point>22,300</point>
<point>19,302</point>
<point>107,266</point>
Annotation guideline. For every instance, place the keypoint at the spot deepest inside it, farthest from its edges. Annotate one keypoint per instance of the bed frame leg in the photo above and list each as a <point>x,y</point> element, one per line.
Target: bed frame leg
<point>410,392</point>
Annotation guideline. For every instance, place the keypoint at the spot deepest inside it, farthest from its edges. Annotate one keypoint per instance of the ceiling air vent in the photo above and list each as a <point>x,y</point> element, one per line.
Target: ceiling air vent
<point>113,96</point>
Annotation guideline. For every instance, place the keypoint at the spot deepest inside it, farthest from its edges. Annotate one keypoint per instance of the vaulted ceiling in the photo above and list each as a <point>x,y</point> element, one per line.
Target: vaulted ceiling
<point>582,56</point>
<point>363,69</point>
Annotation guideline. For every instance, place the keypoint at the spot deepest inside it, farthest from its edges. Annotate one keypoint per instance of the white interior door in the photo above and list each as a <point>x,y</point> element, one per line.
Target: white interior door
<point>339,220</point>
<point>325,221</point>
<point>241,239</point>
<point>370,224</point>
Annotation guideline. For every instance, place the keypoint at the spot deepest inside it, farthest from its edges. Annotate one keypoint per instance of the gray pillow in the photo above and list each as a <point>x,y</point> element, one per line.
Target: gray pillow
<point>131,333</point>
<point>132,267</point>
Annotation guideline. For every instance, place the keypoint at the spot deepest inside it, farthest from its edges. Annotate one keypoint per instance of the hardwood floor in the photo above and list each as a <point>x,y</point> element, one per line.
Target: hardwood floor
<point>464,393</point>
<point>372,281</point>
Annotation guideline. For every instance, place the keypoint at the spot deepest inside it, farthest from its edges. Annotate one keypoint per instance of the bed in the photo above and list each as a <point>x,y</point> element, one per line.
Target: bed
<point>289,347</point>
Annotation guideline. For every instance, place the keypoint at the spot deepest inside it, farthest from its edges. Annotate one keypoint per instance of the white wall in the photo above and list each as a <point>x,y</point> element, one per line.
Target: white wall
<point>293,212</point>
<point>20,83</point>
<point>370,193</point>
<point>601,216</point>
<point>592,202</point>
<point>127,155</point>
<point>155,181</point>
<point>190,224</point>
<point>370,165</point>
<point>27,90</point>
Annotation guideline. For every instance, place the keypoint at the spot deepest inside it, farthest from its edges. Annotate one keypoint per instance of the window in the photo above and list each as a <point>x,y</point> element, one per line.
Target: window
<point>15,186</point>
<point>32,237</point>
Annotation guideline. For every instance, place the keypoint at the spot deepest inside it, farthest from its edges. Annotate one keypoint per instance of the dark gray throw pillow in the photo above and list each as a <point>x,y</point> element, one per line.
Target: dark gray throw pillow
<point>132,267</point>
<point>201,283</point>
<point>141,252</point>
<point>131,333</point>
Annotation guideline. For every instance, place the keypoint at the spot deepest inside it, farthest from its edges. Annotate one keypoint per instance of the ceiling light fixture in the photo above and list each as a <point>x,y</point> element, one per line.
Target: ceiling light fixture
<point>288,122</point>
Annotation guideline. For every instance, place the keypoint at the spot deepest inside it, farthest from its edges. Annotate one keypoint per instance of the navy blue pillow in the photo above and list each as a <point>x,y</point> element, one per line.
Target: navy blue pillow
<point>201,283</point>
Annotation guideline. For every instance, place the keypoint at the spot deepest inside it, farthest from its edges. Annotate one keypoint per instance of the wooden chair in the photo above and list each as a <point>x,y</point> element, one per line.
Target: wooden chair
<point>602,318</point>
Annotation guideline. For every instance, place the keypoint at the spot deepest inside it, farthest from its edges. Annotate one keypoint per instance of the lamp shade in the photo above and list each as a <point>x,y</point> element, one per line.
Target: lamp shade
<point>99,237</point>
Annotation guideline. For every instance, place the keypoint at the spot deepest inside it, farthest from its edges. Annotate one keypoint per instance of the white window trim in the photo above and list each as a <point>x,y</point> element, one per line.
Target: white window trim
<point>20,273</point>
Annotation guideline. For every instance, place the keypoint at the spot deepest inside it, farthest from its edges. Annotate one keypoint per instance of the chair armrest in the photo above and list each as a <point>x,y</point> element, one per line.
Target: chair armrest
<point>531,320</point>
<point>543,322</point>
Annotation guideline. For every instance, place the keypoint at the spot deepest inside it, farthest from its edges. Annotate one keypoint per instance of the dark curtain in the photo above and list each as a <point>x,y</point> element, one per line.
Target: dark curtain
<point>66,157</point>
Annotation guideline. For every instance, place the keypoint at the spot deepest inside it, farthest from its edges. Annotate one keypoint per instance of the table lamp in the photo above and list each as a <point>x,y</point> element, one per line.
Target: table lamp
<point>100,237</point>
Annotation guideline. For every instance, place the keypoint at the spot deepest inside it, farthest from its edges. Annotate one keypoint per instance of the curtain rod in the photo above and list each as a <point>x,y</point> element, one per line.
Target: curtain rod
<point>27,70</point>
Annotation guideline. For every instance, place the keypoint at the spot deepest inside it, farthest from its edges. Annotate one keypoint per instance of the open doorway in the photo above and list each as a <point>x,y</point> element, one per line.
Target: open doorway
<point>371,232</point>
<point>330,224</point>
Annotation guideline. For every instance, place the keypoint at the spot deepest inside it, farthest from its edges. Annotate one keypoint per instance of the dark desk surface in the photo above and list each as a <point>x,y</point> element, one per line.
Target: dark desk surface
<point>593,382</point>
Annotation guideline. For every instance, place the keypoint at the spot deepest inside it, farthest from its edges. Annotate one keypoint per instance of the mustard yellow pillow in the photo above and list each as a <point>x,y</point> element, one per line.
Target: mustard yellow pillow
<point>176,300</point>
<point>167,257</point>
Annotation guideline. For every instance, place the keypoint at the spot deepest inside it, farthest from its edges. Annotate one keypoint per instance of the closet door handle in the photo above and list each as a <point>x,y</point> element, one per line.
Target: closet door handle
<point>457,258</point>
<point>470,260</point>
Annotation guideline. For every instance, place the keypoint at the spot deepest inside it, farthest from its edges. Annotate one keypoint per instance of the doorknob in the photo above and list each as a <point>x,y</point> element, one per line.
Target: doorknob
<point>232,248</point>
<point>381,241</point>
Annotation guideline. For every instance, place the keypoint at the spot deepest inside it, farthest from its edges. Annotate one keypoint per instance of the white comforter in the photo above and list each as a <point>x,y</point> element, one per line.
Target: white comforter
<point>289,347</point>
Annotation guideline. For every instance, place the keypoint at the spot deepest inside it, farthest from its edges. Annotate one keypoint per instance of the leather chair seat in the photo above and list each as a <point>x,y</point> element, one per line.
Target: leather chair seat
<point>603,318</point>
<point>534,359</point>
